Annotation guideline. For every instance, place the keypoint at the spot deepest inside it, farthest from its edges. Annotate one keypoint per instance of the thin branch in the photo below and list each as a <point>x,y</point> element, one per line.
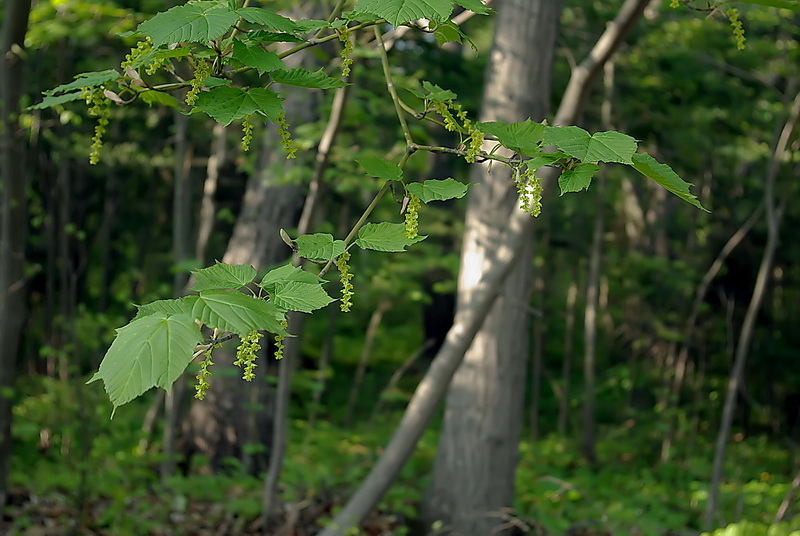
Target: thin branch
<point>390,86</point>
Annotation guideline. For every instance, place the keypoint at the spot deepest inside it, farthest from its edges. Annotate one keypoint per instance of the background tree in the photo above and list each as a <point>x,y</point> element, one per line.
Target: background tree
<point>14,222</point>
<point>476,461</point>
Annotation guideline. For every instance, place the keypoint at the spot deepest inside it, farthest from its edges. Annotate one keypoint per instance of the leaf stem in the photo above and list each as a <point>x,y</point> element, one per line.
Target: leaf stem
<point>317,41</point>
<point>482,156</point>
<point>390,85</point>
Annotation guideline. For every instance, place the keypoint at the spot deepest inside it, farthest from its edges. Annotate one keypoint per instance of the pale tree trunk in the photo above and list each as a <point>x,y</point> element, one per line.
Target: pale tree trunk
<point>473,476</point>
<point>470,316</point>
<point>773,216</point>
<point>14,219</point>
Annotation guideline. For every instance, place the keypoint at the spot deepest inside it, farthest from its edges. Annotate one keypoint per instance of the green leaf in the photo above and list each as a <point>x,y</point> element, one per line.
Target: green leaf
<point>160,98</point>
<point>159,53</point>
<point>286,274</point>
<point>230,310</point>
<point>397,12</point>
<point>213,81</point>
<point>438,190</point>
<point>299,296</point>
<point>319,247</point>
<point>600,147</point>
<point>476,6</point>
<point>82,80</point>
<point>312,25</point>
<point>267,18</point>
<point>265,37</point>
<point>191,23</point>
<point>523,137</point>
<point>447,32</point>
<point>380,168</point>
<point>151,351</point>
<point>304,78</point>
<point>54,100</point>
<point>544,159</point>
<point>169,307</point>
<point>223,276</point>
<point>256,57</point>
<point>578,178</point>
<point>226,104</point>
<point>437,93</point>
<point>666,177</point>
<point>385,237</point>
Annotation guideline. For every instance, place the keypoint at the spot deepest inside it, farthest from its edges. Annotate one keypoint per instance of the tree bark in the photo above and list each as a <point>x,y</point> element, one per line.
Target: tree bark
<point>773,216</point>
<point>13,220</point>
<point>477,457</point>
<point>470,317</point>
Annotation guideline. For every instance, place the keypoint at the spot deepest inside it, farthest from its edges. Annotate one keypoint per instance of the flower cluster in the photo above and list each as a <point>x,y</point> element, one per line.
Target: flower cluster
<point>279,341</point>
<point>344,278</point>
<point>142,48</point>
<point>474,146</point>
<point>247,133</point>
<point>246,354</point>
<point>347,50</point>
<point>202,376</point>
<point>155,65</point>
<point>201,71</point>
<point>99,107</point>
<point>456,120</point>
<point>412,216</point>
<point>736,25</point>
<point>286,137</point>
<point>529,188</point>
<point>443,109</point>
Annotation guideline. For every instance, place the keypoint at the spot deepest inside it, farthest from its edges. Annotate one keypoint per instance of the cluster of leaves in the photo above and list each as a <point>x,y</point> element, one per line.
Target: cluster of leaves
<point>219,42</point>
<point>155,348</point>
<point>578,153</point>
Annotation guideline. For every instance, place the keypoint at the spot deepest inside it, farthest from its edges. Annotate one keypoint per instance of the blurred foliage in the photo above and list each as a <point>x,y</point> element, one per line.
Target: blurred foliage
<point>100,242</point>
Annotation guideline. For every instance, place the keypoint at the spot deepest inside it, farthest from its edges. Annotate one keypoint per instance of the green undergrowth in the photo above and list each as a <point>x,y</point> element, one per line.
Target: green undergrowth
<point>108,482</point>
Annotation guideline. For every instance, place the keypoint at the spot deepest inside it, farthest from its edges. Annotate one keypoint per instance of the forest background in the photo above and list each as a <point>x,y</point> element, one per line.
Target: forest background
<point>639,308</point>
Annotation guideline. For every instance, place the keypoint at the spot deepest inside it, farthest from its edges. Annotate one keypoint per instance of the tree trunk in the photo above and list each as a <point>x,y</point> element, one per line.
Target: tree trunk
<point>774,215</point>
<point>471,316</point>
<point>14,220</point>
<point>476,462</point>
